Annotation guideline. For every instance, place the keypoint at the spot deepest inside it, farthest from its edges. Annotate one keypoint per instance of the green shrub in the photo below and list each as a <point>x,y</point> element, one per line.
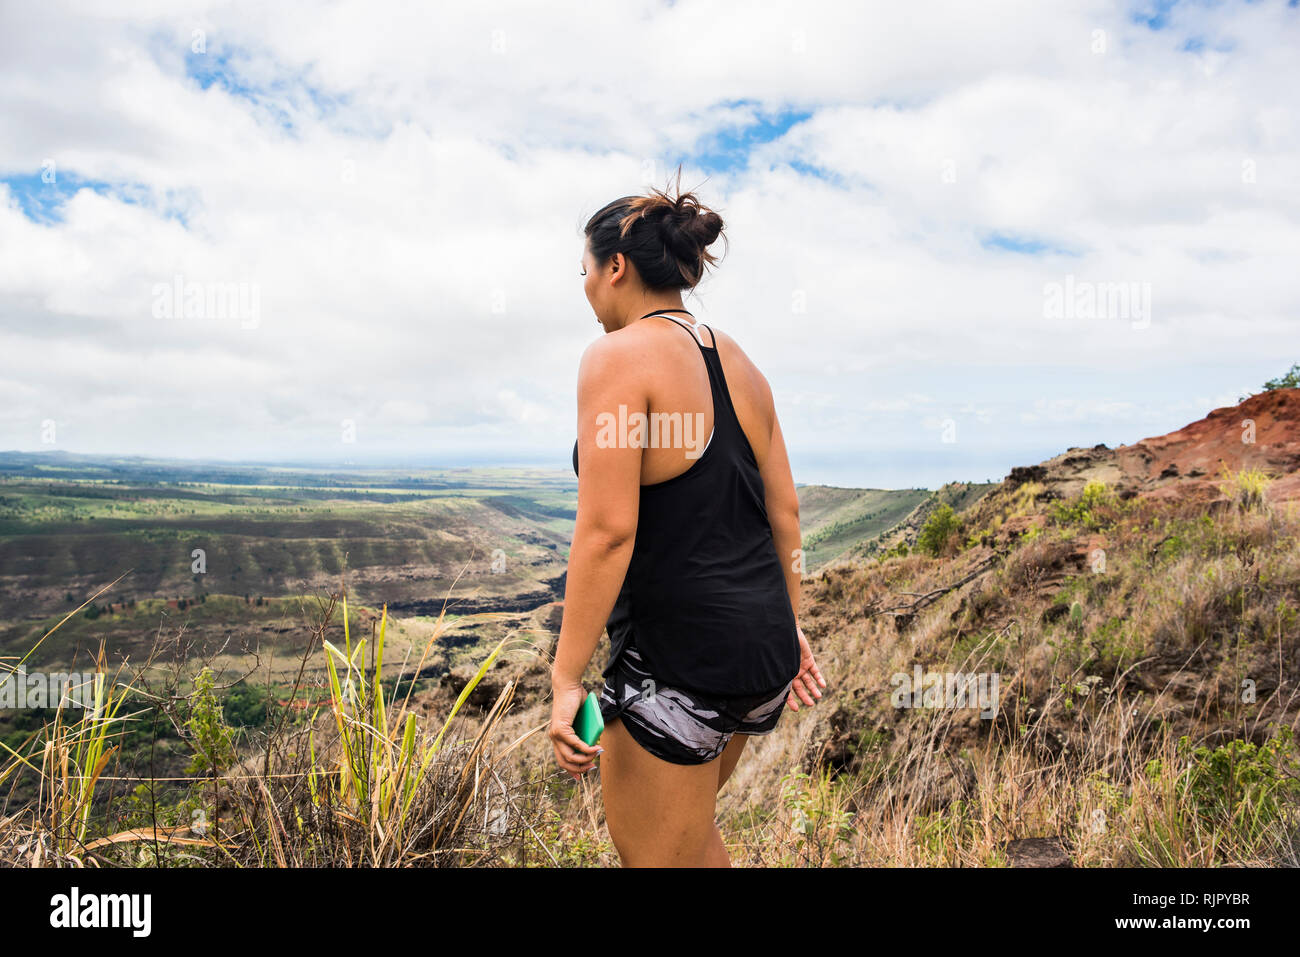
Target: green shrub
<point>1076,616</point>
<point>1289,381</point>
<point>938,531</point>
<point>1239,787</point>
<point>1117,643</point>
<point>1085,509</point>
<point>245,705</point>
<point>213,740</point>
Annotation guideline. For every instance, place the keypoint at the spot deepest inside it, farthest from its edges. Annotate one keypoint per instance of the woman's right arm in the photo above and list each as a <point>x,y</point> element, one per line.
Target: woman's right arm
<point>782,503</point>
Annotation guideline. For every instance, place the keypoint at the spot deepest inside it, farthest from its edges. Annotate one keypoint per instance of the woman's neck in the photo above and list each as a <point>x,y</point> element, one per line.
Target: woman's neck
<point>644,309</point>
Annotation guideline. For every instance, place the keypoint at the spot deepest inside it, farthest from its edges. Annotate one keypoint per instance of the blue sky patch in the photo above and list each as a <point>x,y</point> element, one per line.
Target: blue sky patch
<point>214,68</point>
<point>280,100</point>
<point>42,202</point>
<point>1027,245</point>
<point>830,176</point>
<point>1200,45</point>
<point>1154,15</point>
<point>729,149</point>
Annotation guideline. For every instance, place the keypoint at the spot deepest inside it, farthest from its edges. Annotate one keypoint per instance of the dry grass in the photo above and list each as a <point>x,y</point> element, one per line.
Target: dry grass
<point>1145,716</point>
<point>372,783</point>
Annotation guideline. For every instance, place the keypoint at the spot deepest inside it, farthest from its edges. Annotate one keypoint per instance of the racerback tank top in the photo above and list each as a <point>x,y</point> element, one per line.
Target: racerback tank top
<point>704,600</point>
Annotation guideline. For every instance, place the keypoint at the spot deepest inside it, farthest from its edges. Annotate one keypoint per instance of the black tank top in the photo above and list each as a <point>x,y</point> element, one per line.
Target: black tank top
<point>704,600</point>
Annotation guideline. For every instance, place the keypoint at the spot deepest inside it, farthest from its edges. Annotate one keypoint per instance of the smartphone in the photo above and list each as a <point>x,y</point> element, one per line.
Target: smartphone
<point>588,722</point>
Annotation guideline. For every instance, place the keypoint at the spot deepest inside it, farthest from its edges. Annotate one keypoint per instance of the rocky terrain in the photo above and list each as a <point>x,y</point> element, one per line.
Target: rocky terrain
<point>1263,432</point>
<point>1105,663</point>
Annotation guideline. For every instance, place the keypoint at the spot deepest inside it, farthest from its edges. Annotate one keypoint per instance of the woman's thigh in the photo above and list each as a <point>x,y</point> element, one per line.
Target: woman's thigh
<point>659,814</point>
<point>730,756</point>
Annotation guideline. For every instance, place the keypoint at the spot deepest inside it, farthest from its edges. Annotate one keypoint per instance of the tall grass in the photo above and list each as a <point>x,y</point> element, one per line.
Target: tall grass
<point>379,783</point>
<point>381,765</point>
<point>1146,712</point>
<point>1246,486</point>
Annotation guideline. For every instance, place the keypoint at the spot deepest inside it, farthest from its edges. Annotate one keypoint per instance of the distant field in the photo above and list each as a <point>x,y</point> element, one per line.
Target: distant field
<point>267,640</point>
<point>836,520</point>
<point>61,537</point>
<point>274,539</point>
<point>488,545</point>
<point>89,468</point>
<point>491,539</point>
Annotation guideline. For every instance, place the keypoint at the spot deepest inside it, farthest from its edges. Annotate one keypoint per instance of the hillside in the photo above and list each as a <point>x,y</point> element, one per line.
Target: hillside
<point>1196,465</point>
<point>957,495</point>
<point>836,521</point>
<point>1128,619</point>
<point>1146,640</point>
<point>403,547</point>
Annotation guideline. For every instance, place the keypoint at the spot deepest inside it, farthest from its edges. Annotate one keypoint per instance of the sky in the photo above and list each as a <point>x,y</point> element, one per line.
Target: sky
<point>959,237</point>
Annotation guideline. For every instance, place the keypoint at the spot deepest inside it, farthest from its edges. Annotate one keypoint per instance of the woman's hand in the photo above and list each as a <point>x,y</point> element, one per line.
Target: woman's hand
<point>805,682</point>
<point>571,752</point>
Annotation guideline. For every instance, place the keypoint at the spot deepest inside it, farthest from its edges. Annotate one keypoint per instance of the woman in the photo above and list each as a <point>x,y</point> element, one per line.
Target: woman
<point>686,548</point>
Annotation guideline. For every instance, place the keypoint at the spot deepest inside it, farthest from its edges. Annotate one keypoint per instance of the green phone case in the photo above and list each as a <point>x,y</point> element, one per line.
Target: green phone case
<point>588,723</point>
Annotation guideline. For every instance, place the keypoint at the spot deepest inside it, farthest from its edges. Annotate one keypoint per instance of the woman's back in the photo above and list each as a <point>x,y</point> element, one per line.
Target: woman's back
<point>679,383</point>
<point>704,600</point>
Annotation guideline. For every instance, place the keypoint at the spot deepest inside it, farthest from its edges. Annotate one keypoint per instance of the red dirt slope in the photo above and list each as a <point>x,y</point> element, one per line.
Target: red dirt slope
<point>1262,432</point>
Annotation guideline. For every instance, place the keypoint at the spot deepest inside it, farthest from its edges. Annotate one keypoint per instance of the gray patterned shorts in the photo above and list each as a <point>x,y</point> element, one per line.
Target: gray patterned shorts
<point>680,726</point>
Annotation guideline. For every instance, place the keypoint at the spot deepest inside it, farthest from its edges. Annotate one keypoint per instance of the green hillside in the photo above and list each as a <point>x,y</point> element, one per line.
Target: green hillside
<point>835,521</point>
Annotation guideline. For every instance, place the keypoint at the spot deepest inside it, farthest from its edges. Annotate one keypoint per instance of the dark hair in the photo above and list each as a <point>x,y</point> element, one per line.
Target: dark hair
<point>665,238</point>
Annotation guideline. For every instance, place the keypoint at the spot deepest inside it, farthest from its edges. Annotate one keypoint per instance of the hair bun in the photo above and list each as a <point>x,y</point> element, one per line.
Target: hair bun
<point>666,237</point>
<point>705,225</point>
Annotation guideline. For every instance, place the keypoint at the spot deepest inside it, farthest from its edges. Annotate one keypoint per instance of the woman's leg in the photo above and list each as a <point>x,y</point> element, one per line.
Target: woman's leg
<point>726,762</point>
<point>718,856</point>
<point>659,814</point>
<point>729,756</point>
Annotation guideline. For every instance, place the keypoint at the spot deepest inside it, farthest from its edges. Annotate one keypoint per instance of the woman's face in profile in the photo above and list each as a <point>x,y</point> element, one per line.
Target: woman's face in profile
<point>589,283</point>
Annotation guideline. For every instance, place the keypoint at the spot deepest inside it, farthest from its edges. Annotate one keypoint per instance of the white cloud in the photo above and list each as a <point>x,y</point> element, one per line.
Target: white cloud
<point>415,240</point>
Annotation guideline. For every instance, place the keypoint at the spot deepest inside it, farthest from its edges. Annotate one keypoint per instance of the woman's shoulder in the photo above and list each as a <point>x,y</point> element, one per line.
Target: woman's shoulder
<point>609,352</point>
<point>614,367</point>
<point>740,366</point>
<point>625,351</point>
